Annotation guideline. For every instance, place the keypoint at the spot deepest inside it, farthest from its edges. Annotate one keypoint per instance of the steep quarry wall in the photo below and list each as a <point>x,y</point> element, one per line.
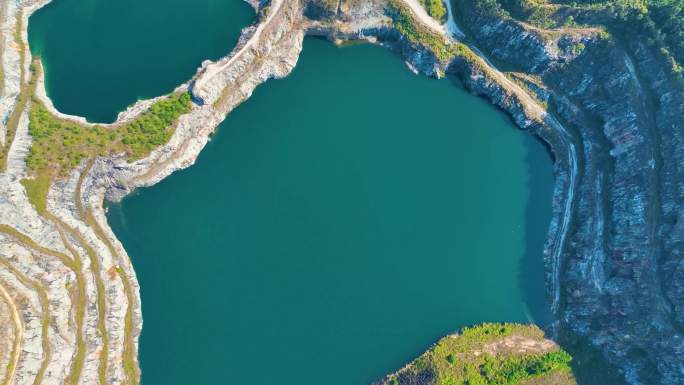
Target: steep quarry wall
<point>607,112</point>
<point>620,274</point>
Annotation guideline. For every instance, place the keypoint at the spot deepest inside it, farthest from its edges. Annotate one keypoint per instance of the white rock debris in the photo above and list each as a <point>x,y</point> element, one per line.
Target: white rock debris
<point>72,248</point>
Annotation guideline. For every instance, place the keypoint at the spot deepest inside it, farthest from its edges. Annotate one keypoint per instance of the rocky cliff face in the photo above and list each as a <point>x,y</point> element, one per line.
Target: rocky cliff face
<point>510,353</point>
<point>606,109</point>
<point>70,291</point>
<point>614,248</point>
<point>621,267</point>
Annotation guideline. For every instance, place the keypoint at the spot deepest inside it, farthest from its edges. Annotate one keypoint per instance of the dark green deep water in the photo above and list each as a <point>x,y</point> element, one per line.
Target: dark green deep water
<point>339,222</point>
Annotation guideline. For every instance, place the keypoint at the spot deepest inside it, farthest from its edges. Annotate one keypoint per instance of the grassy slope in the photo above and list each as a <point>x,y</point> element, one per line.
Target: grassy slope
<point>417,33</point>
<point>61,145</point>
<point>436,8</point>
<point>474,358</point>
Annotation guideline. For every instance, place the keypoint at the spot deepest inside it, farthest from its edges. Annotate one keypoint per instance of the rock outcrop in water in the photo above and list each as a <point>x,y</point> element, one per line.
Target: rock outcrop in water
<point>69,303</point>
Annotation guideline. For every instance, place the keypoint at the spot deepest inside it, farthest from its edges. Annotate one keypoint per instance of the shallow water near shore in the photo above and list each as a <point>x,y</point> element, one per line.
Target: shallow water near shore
<point>339,222</point>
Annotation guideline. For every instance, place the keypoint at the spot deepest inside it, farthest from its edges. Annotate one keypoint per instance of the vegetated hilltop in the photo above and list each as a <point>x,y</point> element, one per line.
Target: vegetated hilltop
<point>489,354</point>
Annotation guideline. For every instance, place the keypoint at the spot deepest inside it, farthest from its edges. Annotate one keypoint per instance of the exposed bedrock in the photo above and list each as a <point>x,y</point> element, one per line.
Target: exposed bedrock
<point>621,278</point>
<point>69,305</point>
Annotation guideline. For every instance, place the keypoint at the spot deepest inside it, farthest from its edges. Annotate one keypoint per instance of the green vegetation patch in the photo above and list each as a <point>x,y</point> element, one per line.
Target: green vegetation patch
<point>60,145</point>
<point>37,190</point>
<point>417,33</point>
<point>153,128</point>
<point>436,9</point>
<point>490,8</point>
<point>489,354</point>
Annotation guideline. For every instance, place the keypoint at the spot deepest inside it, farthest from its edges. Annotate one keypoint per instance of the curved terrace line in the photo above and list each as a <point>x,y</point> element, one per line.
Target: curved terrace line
<point>156,166</point>
<point>18,335</point>
<point>45,317</point>
<point>80,292</point>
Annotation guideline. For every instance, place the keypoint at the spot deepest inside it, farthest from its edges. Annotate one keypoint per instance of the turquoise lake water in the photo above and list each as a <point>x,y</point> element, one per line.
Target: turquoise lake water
<point>339,222</point>
<point>101,56</point>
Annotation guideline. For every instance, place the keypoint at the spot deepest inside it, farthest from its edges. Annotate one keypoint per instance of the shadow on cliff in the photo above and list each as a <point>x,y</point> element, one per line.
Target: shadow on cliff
<point>589,366</point>
<point>537,218</point>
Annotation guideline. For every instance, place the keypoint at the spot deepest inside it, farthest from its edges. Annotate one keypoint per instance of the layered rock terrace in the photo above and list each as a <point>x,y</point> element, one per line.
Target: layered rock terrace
<point>69,298</point>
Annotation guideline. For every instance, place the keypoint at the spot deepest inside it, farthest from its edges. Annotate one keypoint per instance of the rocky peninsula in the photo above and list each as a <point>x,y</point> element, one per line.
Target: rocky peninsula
<point>608,109</point>
<point>489,354</point>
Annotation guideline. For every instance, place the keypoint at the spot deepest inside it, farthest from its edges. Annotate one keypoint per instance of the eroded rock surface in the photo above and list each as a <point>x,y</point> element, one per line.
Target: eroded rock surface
<point>621,268</point>
<point>608,113</point>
